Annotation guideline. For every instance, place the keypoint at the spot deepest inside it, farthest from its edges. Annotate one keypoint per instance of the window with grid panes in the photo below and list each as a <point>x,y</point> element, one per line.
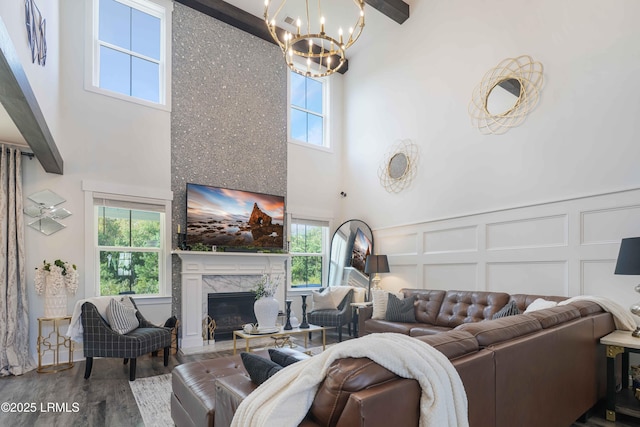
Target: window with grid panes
<point>307,110</point>
<point>308,249</point>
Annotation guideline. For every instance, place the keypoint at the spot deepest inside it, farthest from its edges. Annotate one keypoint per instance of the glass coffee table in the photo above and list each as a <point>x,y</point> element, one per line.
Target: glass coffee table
<point>281,333</point>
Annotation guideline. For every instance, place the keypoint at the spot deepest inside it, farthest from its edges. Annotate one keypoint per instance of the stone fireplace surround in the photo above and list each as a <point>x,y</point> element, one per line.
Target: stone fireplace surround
<point>209,272</point>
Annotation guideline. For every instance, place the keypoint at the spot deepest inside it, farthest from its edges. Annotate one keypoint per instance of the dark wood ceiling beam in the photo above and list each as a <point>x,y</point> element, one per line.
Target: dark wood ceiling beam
<point>231,15</point>
<point>236,17</point>
<point>18,99</point>
<point>397,10</point>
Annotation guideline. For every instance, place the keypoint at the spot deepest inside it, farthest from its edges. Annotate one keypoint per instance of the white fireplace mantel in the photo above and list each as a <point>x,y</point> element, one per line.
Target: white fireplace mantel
<point>196,264</point>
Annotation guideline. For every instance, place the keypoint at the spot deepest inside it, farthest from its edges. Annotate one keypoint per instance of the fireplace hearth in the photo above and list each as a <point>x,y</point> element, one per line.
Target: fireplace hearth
<point>230,310</point>
<point>203,273</point>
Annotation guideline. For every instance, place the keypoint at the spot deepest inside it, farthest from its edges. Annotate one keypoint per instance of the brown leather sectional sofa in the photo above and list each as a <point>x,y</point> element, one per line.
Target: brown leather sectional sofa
<point>545,368</point>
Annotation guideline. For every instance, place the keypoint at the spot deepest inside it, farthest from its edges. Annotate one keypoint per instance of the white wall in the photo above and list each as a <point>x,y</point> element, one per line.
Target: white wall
<point>417,82</point>
<point>565,248</point>
<point>314,176</point>
<point>43,80</point>
<point>101,139</point>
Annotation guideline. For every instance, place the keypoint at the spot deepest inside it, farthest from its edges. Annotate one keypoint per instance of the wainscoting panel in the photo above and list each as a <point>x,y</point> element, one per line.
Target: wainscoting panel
<point>451,276</point>
<point>567,247</point>
<point>451,240</point>
<point>610,225</point>
<point>543,278</point>
<point>405,244</point>
<point>528,233</point>
<point>598,278</point>
<point>404,276</point>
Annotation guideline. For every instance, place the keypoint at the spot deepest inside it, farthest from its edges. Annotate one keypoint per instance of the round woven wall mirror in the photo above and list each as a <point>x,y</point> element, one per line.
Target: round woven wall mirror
<point>506,94</point>
<point>504,97</point>
<point>399,166</point>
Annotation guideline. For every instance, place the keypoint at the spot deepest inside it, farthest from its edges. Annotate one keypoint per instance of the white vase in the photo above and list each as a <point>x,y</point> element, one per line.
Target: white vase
<point>266,311</point>
<point>55,301</point>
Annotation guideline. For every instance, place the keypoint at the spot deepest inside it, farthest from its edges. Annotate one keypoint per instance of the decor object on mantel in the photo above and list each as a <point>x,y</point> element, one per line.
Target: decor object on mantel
<point>266,306</point>
<point>506,94</point>
<point>376,264</point>
<point>55,280</point>
<point>321,54</point>
<point>399,166</point>
<point>629,264</point>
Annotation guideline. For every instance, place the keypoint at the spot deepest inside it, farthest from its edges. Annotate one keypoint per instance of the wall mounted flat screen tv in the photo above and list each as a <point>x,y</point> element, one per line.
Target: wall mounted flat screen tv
<point>234,219</point>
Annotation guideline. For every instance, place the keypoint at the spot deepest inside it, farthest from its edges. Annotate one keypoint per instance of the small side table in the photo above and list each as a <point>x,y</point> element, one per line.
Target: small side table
<point>355,307</point>
<point>624,402</point>
<point>52,343</point>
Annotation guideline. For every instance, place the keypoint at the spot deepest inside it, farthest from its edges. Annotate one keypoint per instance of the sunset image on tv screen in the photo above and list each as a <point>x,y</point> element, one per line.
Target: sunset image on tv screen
<point>234,218</point>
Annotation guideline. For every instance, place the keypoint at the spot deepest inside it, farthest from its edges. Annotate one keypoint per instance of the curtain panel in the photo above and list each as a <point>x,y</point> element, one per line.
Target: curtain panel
<point>14,308</point>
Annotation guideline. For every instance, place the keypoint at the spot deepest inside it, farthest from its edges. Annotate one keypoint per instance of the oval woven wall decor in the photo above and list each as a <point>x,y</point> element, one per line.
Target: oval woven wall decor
<point>399,166</point>
<point>524,70</point>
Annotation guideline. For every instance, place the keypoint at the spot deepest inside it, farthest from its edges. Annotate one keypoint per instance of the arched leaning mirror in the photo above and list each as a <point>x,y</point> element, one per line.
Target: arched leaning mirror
<point>351,243</point>
<point>506,94</point>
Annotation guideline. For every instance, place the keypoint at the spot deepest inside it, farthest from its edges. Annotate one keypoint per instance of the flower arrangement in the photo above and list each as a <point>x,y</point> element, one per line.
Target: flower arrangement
<point>266,287</point>
<point>62,276</point>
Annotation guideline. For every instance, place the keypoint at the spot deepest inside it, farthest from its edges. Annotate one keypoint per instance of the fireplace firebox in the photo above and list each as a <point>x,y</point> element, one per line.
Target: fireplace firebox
<point>230,310</point>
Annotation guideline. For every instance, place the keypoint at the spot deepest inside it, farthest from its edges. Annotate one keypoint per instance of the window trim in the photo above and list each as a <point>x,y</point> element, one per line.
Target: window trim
<point>162,199</point>
<point>326,243</point>
<point>326,119</point>
<point>161,9</point>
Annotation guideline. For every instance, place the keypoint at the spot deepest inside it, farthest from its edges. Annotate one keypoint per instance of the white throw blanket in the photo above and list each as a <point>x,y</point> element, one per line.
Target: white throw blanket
<point>285,398</point>
<point>75,325</point>
<point>622,317</point>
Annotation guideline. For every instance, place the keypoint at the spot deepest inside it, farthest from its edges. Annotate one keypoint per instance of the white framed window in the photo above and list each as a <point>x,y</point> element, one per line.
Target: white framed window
<point>127,241</point>
<point>308,249</point>
<point>308,110</point>
<point>130,50</point>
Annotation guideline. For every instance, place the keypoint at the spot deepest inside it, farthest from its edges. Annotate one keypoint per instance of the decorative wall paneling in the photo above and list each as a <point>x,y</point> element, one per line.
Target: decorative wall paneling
<point>566,247</point>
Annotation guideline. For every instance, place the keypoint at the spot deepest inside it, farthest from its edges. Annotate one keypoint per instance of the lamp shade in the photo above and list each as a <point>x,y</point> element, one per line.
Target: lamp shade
<point>629,257</point>
<point>376,264</point>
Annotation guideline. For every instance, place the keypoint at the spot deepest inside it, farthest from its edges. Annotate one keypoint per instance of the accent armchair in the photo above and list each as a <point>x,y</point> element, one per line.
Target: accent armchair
<point>338,317</point>
<point>99,340</point>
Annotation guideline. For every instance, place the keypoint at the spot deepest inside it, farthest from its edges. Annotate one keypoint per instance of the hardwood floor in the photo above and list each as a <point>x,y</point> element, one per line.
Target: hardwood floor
<point>105,399</point>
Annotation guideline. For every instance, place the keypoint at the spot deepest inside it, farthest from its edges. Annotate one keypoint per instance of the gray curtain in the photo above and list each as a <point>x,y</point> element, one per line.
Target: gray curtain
<point>14,309</point>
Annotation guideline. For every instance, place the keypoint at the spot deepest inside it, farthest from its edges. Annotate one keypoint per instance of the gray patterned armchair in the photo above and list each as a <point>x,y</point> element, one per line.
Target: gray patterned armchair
<point>338,317</point>
<point>99,340</point>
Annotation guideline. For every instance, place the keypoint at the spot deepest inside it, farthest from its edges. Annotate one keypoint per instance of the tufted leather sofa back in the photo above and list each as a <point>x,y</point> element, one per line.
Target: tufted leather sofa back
<point>428,303</point>
<point>460,307</point>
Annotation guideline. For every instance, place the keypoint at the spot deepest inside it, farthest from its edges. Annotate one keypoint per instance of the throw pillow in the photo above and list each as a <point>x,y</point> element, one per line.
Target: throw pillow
<point>127,302</point>
<point>323,301</point>
<point>401,310</point>
<point>121,318</point>
<point>508,310</point>
<point>259,368</point>
<point>540,304</point>
<point>380,299</point>
<point>284,357</point>
<point>359,294</point>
